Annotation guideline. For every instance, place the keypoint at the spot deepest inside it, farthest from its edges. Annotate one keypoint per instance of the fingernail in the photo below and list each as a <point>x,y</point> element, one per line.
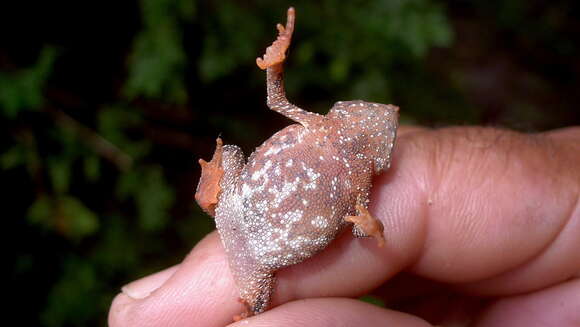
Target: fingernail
<point>143,287</point>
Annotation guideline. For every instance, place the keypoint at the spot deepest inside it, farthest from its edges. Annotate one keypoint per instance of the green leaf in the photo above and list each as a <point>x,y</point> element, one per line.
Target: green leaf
<point>40,211</point>
<point>22,90</point>
<point>186,9</point>
<point>12,158</point>
<point>115,122</point>
<point>128,184</point>
<point>78,220</point>
<point>59,170</point>
<point>154,198</point>
<point>157,61</point>
<point>117,248</point>
<point>213,63</point>
<point>339,68</point>
<point>66,215</point>
<point>232,42</point>
<point>71,300</point>
<point>373,300</point>
<point>92,166</point>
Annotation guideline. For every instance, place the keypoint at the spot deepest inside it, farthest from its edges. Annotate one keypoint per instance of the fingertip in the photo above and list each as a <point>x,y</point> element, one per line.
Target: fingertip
<point>143,287</point>
<point>200,289</point>
<point>117,313</point>
<point>135,292</point>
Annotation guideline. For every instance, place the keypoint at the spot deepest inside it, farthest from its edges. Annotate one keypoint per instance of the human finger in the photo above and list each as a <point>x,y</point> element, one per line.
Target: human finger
<point>502,213</point>
<point>143,287</point>
<point>555,306</point>
<point>493,211</point>
<point>200,292</point>
<point>321,312</point>
<point>401,201</point>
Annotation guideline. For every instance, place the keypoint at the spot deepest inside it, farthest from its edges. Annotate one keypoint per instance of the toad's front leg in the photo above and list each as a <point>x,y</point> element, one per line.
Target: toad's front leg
<point>366,224</point>
<point>219,176</point>
<point>208,188</point>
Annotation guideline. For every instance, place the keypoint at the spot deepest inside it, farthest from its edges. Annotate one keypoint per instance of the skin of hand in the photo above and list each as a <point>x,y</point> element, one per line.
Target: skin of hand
<point>482,227</point>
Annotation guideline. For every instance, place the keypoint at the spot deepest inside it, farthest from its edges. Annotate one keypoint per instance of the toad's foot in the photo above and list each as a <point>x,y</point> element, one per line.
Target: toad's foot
<point>246,313</point>
<point>276,53</point>
<point>208,188</point>
<point>367,225</point>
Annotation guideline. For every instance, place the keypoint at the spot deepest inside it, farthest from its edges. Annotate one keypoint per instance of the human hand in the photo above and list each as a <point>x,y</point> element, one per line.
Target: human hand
<point>482,227</point>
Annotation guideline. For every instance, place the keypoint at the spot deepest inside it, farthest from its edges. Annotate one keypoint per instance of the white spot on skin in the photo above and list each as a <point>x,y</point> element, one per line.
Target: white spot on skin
<point>297,243</point>
<point>291,217</point>
<point>260,172</point>
<point>319,222</point>
<point>282,193</point>
<point>312,175</point>
<point>272,150</point>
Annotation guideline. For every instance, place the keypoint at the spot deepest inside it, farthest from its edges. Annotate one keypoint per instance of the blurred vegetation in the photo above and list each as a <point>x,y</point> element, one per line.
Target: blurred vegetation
<point>105,108</point>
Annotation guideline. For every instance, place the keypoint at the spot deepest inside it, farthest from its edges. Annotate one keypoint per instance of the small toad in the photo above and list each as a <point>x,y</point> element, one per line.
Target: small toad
<point>300,188</point>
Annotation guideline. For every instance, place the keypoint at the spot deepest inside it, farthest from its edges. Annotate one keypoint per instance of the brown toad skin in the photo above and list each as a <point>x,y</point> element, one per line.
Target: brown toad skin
<point>300,188</point>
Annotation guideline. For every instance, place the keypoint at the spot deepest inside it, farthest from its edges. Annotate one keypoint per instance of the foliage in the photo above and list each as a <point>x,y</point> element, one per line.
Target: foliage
<point>158,58</point>
<point>23,90</point>
<point>101,169</point>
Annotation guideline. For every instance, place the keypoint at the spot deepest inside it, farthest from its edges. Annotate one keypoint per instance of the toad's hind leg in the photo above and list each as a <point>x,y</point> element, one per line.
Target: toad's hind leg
<point>255,292</point>
<point>366,225</point>
<point>273,61</point>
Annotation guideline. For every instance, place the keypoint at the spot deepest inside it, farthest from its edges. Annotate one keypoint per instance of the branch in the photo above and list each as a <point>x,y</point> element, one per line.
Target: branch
<point>99,144</point>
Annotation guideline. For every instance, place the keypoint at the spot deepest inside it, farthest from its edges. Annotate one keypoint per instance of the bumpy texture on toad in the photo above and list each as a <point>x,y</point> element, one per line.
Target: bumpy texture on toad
<point>300,188</point>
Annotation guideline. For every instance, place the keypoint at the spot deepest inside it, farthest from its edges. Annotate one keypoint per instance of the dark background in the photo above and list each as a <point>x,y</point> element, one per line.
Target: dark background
<point>105,107</point>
